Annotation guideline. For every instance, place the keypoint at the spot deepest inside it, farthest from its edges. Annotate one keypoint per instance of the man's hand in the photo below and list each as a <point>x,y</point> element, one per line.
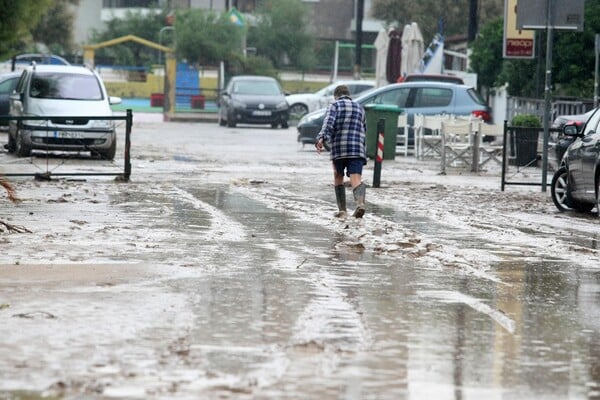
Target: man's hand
<point>319,145</point>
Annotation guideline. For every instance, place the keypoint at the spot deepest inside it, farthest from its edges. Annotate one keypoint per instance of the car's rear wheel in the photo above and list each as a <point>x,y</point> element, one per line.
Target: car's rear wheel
<point>21,149</point>
<point>297,111</point>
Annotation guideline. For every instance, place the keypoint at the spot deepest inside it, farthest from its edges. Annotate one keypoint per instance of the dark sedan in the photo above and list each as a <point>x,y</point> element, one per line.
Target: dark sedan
<point>427,98</point>
<point>8,82</point>
<point>251,99</point>
<point>559,143</point>
<point>576,184</point>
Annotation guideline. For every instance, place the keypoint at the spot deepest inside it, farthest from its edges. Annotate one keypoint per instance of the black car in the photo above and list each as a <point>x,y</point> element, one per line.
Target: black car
<point>8,82</point>
<point>250,99</point>
<point>576,183</point>
<point>427,98</point>
<point>559,143</point>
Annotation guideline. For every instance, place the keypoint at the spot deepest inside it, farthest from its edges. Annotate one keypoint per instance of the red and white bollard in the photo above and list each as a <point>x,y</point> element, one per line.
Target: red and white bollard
<point>379,154</point>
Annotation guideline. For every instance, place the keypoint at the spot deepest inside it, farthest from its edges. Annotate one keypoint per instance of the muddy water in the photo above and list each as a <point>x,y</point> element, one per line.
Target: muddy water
<point>196,281</point>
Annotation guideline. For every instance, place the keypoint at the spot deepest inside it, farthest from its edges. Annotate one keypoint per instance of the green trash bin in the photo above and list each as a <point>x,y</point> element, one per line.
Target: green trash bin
<point>375,112</point>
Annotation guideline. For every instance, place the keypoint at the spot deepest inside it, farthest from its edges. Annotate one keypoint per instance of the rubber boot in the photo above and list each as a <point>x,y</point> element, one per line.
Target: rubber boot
<point>340,197</point>
<point>359,195</point>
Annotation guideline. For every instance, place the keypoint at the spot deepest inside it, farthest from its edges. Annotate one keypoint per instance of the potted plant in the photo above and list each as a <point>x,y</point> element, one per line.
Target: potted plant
<point>524,133</point>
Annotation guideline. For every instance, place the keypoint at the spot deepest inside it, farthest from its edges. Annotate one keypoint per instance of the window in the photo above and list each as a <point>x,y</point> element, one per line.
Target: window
<point>8,85</point>
<point>395,96</point>
<point>591,125</point>
<point>433,97</point>
<point>65,86</point>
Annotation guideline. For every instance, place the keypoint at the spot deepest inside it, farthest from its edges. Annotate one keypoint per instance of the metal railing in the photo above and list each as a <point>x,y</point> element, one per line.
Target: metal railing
<point>123,175</point>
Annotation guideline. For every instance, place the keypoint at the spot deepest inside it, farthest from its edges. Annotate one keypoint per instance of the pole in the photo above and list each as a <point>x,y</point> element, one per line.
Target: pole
<point>547,93</point>
<point>379,155</point>
<point>360,10</point>
<point>596,50</point>
<point>128,125</point>
<point>336,60</point>
<point>472,21</point>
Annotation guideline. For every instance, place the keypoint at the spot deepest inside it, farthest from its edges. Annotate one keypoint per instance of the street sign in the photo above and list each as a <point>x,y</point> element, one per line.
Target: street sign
<point>518,43</point>
<point>564,14</point>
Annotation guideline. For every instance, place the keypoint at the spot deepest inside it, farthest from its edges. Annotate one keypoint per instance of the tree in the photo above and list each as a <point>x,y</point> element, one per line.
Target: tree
<point>572,65</point>
<point>281,34</point>
<point>487,50</point>
<point>452,15</point>
<point>17,18</point>
<point>206,38</point>
<point>55,28</point>
<point>144,25</point>
<point>573,56</point>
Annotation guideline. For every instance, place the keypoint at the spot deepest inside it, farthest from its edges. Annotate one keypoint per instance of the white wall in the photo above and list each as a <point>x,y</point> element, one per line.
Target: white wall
<point>87,17</point>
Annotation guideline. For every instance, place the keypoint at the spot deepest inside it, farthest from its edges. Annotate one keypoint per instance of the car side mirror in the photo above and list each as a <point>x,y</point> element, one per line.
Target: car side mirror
<point>114,100</point>
<point>570,130</point>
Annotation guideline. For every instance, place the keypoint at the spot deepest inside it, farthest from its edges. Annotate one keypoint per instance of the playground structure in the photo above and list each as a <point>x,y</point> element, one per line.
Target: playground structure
<point>170,65</point>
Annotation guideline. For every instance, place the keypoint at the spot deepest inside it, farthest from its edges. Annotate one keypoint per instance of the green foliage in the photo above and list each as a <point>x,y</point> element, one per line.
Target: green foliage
<point>573,56</point>
<point>572,64</point>
<point>281,34</point>
<point>144,25</point>
<point>17,19</point>
<point>55,27</point>
<point>206,38</point>
<point>526,121</point>
<point>487,51</point>
<point>252,65</point>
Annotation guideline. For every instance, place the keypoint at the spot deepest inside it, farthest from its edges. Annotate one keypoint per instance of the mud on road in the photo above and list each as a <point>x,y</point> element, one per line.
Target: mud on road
<point>219,271</point>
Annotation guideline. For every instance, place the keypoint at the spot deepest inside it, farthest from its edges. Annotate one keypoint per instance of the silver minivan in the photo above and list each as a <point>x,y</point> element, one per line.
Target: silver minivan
<point>60,92</point>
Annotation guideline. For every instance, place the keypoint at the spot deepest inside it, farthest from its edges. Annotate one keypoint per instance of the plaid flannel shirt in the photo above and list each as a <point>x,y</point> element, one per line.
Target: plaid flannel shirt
<point>344,128</point>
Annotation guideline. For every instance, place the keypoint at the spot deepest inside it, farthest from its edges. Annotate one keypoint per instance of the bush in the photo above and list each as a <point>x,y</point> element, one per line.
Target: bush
<point>527,121</point>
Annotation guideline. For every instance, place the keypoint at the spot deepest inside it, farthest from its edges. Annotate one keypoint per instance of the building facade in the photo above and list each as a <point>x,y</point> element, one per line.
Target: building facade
<point>330,19</point>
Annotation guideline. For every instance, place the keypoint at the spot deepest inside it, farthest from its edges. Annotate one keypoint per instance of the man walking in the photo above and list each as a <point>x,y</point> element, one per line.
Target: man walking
<point>344,127</point>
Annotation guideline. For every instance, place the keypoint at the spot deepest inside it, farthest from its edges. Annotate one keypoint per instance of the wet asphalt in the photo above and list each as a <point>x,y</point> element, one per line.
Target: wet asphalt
<point>275,303</point>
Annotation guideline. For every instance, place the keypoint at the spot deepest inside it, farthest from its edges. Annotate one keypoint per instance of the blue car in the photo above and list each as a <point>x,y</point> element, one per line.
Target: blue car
<point>427,98</point>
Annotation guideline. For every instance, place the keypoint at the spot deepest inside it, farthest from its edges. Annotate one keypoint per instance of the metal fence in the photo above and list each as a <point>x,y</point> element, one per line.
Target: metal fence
<point>45,164</point>
<point>522,158</point>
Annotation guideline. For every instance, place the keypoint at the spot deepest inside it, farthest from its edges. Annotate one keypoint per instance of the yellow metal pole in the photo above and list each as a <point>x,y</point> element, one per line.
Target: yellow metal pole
<point>170,74</point>
<point>88,57</point>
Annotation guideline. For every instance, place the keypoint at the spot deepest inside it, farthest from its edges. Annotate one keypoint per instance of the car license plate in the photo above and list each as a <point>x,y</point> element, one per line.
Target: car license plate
<point>68,135</point>
<point>261,113</point>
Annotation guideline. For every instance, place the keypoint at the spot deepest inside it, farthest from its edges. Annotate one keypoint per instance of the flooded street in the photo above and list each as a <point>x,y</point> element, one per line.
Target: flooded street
<point>219,272</point>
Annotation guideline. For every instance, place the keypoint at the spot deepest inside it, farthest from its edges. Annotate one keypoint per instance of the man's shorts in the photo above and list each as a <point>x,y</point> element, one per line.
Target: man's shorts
<point>350,165</point>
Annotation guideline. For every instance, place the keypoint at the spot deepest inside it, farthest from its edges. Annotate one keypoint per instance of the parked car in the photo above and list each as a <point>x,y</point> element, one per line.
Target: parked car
<point>561,120</point>
<point>426,98</point>
<point>8,82</point>
<point>576,184</point>
<point>559,143</point>
<point>431,78</point>
<point>20,61</point>
<point>253,99</point>
<point>60,91</point>
<point>303,103</point>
